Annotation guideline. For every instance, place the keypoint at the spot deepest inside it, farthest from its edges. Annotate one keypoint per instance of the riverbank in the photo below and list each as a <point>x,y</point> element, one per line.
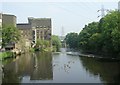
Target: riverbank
<point>6,54</point>
<point>13,53</point>
<point>92,55</point>
<point>10,54</point>
<point>101,55</point>
<point>98,57</point>
<point>48,49</point>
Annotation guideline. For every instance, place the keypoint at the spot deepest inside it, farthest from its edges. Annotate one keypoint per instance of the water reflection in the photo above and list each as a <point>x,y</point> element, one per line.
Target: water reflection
<point>69,69</point>
<point>109,72</point>
<point>42,67</point>
<point>0,71</point>
<point>59,68</point>
<point>36,66</point>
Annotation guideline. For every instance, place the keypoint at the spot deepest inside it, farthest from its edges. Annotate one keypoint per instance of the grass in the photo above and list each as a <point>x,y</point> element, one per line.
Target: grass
<point>48,49</point>
<point>32,50</point>
<point>4,55</point>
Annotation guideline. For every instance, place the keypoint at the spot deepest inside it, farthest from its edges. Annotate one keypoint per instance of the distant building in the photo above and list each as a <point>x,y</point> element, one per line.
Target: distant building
<point>41,28</point>
<point>63,42</point>
<point>8,19</point>
<point>36,28</point>
<point>61,38</point>
<point>26,33</point>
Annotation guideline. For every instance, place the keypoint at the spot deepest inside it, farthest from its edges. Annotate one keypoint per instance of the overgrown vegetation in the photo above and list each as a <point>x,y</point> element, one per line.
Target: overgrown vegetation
<point>72,40</point>
<point>10,34</point>
<point>56,43</point>
<point>6,54</point>
<point>43,45</point>
<point>101,37</point>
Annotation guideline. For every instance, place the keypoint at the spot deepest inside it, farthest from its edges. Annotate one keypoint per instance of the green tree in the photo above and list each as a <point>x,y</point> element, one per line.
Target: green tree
<point>86,36</point>
<point>72,40</point>
<point>56,43</point>
<point>102,37</point>
<point>10,34</point>
<point>42,44</point>
<point>110,22</point>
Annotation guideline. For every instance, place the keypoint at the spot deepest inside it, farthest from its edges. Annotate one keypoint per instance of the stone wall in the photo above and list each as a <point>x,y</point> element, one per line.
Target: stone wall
<point>8,19</point>
<point>26,36</point>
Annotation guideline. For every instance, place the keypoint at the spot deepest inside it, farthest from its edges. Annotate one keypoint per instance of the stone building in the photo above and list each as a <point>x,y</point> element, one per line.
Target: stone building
<point>8,19</point>
<point>41,28</point>
<point>26,35</point>
<point>36,28</point>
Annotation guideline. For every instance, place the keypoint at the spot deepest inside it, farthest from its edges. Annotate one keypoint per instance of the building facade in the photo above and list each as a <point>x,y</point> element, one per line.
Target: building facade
<point>26,35</point>
<point>36,28</point>
<point>41,28</point>
<point>9,20</point>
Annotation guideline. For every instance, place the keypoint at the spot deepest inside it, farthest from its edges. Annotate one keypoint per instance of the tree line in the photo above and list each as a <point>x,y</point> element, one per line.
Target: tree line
<point>101,37</point>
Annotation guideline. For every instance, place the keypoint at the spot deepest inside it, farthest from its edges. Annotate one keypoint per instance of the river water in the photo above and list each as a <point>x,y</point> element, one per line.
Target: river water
<point>59,68</point>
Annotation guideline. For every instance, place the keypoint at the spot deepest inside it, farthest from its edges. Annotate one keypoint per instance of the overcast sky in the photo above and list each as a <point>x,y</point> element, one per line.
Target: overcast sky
<point>72,16</point>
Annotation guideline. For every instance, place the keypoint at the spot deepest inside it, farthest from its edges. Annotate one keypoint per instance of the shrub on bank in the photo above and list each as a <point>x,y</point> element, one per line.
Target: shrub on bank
<point>7,54</point>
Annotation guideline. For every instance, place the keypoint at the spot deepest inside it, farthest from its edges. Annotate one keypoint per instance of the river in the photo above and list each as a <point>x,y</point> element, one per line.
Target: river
<point>59,68</point>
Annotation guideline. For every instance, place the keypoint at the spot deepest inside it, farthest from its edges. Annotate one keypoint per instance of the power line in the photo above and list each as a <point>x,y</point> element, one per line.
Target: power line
<point>102,10</point>
<point>85,5</point>
<point>72,12</point>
